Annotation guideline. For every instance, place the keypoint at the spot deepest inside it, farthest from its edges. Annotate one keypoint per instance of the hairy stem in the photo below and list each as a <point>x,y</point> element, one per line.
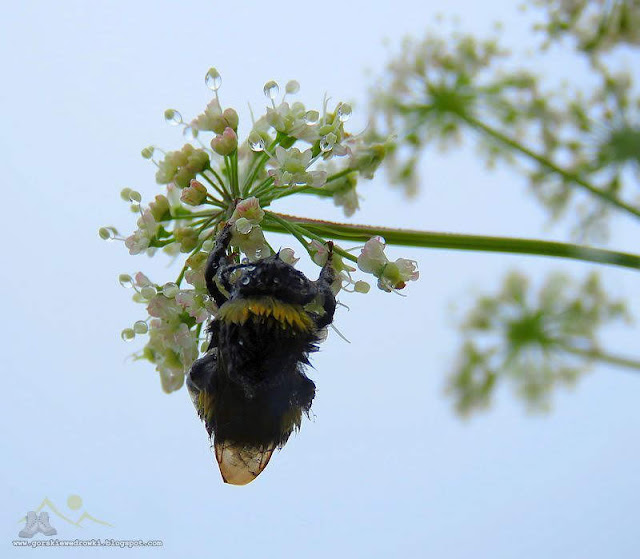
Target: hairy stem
<point>456,241</point>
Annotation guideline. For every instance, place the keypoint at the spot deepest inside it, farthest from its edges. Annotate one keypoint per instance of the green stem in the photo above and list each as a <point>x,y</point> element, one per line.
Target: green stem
<point>214,218</point>
<point>302,190</point>
<point>299,231</point>
<point>287,226</point>
<point>222,191</point>
<point>548,164</point>
<point>227,165</point>
<point>340,174</point>
<point>234,172</point>
<point>603,357</point>
<point>456,241</point>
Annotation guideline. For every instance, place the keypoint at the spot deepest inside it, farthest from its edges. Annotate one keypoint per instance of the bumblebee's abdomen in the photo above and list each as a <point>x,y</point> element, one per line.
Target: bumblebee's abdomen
<point>260,392</point>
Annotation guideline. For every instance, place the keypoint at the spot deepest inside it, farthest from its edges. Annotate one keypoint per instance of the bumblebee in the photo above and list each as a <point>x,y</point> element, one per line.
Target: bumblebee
<point>250,389</point>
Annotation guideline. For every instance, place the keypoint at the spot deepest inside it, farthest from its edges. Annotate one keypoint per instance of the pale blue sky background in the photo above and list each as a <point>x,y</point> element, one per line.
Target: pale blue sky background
<point>385,469</point>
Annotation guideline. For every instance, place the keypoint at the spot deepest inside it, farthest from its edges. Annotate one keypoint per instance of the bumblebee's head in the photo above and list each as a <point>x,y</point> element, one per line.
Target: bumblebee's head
<point>275,278</point>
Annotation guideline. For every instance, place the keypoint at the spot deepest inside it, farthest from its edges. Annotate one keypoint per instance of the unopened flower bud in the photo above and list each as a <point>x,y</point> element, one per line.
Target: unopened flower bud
<point>195,194</point>
<point>187,237</point>
<point>160,208</point>
<point>292,87</point>
<point>147,152</point>
<point>225,143</point>
<point>231,118</point>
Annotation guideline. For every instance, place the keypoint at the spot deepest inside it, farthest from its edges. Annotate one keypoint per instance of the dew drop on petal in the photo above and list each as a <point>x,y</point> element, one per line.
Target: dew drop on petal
<point>148,292</point>
<point>190,131</point>
<point>256,144</point>
<point>173,117</point>
<point>140,327</point>
<point>311,117</point>
<point>134,196</point>
<point>245,280</point>
<point>170,290</point>
<point>212,79</point>
<point>125,280</point>
<point>271,89</point>
<point>325,145</point>
<point>207,246</point>
<point>128,334</point>
<point>344,112</point>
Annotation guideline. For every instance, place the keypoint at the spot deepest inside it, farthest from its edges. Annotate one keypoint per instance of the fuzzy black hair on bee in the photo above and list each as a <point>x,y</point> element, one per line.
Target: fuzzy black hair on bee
<point>250,389</point>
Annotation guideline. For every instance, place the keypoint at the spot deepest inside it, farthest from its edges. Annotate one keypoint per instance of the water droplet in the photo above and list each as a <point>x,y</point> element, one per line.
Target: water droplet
<point>276,281</point>
<point>325,145</point>
<point>148,292</point>
<point>311,117</point>
<point>190,131</point>
<point>207,246</point>
<point>140,327</point>
<point>212,79</point>
<point>170,290</point>
<point>128,334</point>
<point>271,90</point>
<point>256,143</point>
<point>245,280</point>
<point>343,112</point>
<point>173,117</point>
<point>125,280</point>
<point>135,196</point>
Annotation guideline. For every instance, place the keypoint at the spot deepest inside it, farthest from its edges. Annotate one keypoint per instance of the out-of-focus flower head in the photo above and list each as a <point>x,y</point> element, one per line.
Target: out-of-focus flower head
<point>533,343</point>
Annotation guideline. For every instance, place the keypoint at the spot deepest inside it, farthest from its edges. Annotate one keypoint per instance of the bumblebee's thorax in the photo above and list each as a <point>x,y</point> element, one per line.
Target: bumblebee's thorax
<point>267,310</point>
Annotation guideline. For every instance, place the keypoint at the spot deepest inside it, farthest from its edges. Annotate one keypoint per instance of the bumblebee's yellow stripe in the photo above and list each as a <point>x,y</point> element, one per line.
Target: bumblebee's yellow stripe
<point>286,314</point>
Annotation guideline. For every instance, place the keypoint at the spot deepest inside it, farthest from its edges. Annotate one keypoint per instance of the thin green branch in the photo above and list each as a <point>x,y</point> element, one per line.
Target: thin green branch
<point>220,190</point>
<point>548,164</point>
<point>300,231</point>
<point>603,357</point>
<point>456,241</point>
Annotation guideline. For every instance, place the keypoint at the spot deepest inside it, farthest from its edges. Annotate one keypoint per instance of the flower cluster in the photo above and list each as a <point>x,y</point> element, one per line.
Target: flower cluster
<point>597,25</point>
<point>575,147</point>
<point>391,275</point>
<point>220,179</point>
<point>535,344</point>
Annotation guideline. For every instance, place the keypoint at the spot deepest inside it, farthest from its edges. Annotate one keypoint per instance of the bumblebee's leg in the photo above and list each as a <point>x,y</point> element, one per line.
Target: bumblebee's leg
<point>217,260</point>
<point>327,277</point>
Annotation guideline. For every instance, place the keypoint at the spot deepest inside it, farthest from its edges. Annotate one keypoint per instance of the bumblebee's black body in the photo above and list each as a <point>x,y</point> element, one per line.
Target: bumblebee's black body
<point>250,388</point>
